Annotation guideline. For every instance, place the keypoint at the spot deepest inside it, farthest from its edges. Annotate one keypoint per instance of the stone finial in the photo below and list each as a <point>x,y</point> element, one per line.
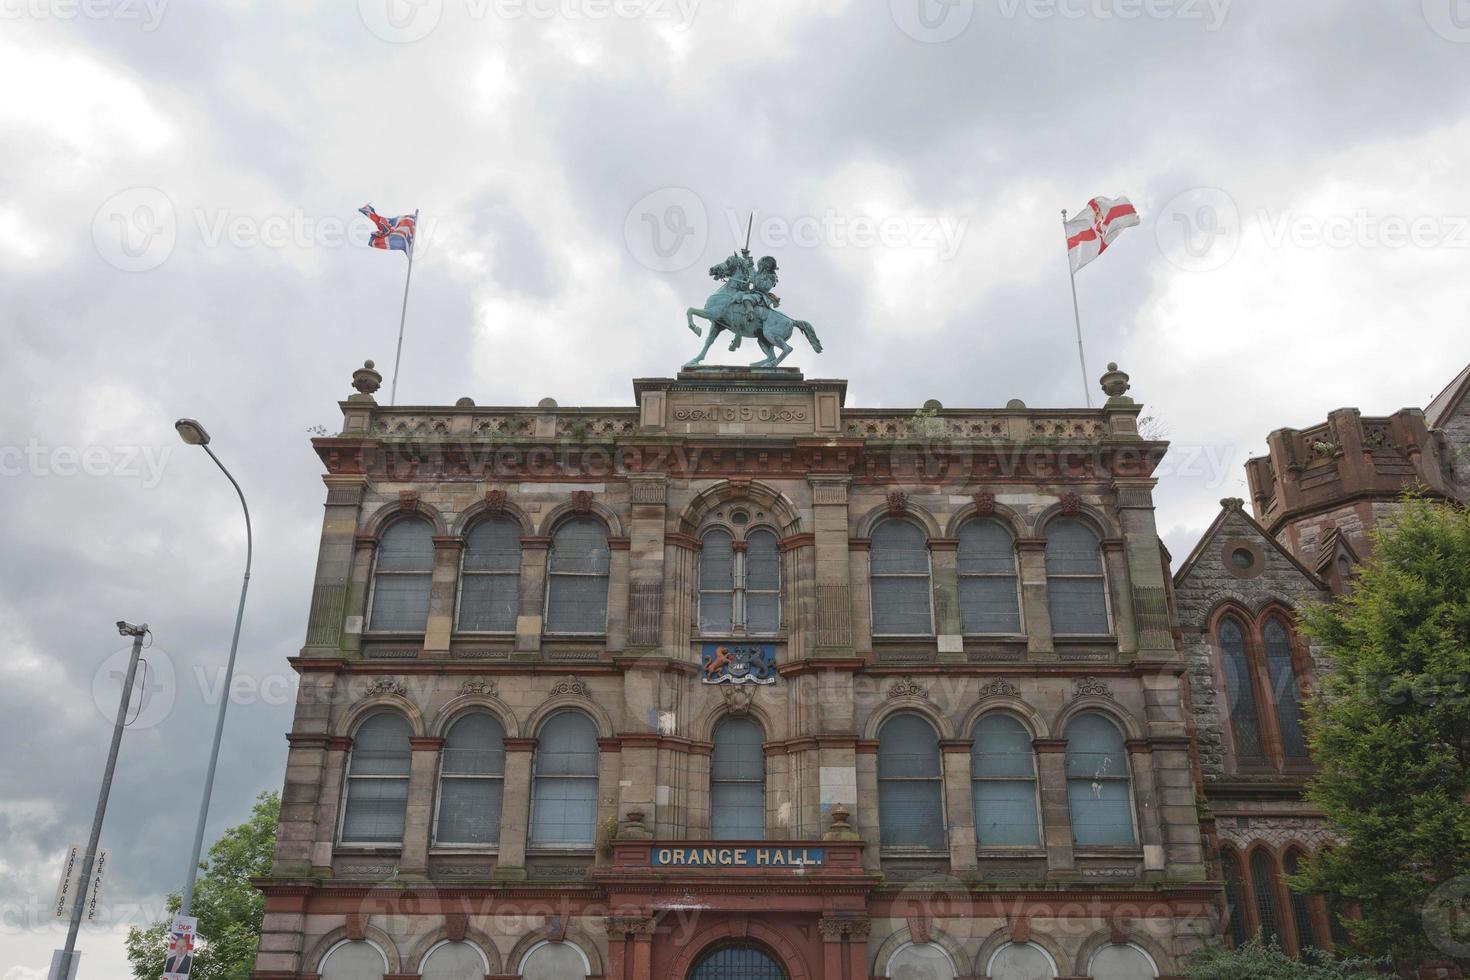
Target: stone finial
<point>1115,385</point>
<point>366,380</point>
<point>633,827</point>
<point>1232,503</point>
<point>841,828</point>
<point>465,402</point>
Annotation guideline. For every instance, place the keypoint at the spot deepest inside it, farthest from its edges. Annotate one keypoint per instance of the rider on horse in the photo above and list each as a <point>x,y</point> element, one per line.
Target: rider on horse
<point>756,289</point>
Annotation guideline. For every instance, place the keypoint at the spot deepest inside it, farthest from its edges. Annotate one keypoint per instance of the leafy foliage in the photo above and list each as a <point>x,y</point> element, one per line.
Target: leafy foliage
<point>1391,734</point>
<point>1255,961</point>
<point>228,907</point>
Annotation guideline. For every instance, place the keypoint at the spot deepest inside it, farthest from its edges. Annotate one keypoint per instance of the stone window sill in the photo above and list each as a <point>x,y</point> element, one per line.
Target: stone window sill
<point>358,850</point>
<point>460,850</point>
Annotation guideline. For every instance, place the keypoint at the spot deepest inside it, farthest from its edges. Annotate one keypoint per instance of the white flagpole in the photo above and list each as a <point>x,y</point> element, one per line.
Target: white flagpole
<point>1076,315</point>
<point>403,316</point>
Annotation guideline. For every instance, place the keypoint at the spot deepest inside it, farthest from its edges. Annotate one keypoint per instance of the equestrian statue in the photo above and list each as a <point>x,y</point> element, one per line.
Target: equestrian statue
<point>746,307</point>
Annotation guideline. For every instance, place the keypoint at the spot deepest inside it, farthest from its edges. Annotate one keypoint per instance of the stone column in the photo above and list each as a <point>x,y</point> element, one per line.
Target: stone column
<point>649,492</point>
<point>354,620</point>
<point>834,592</point>
<point>531,603</point>
<point>1184,857</point>
<point>865,814</point>
<point>306,768</point>
<point>858,551</point>
<point>799,595</point>
<point>1120,596</point>
<point>681,555</point>
<point>946,583</point>
<point>833,933</point>
<point>617,595</point>
<point>1145,795</point>
<point>325,622</point>
<point>442,595</point>
<point>837,773</point>
<point>515,809</point>
<point>1032,555</point>
<point>1145,569</point>
<point>1056,812</point>
<point>609,776</point>
<point>778,792</point>
<point>419,814</point>
<point>959,799</point>
<point>329,805</point>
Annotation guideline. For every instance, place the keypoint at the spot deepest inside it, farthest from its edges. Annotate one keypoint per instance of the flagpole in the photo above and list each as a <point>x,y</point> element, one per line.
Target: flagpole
<point>1076,316</point>
<point>403,316</point>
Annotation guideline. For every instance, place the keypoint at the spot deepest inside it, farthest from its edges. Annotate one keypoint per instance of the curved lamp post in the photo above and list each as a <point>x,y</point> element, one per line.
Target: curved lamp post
<point>194,435</point>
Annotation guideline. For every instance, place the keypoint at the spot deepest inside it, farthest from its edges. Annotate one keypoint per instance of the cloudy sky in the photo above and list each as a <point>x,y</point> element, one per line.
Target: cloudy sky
<point>178,187</point>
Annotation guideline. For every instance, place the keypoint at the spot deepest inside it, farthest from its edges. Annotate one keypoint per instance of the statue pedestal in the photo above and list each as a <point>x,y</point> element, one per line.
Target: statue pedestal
<point>717,372</point>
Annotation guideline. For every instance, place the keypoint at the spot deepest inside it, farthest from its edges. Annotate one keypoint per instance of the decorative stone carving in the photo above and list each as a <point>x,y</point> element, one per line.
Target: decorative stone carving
<point>739,489</point>
<point>408,500</point>
<point>382,686</point>
<point>628,925</point>
<point>366,380</point>
<point>1071,504</point>
<point>835,927</point>
<point>984,504</point>
<point>1091,687</point>
<point>582,501</point>
<point>569,684</point>
<point>633,827</point>
<point>1115,383</point>
<point>495,502</point>
<point>478,685</point>
<point>455,926</point>
<point>841,829</point>
<point>907,687</point>
<point>1000,688</point>
<point>898,502</point>
<point>738,698</point>
<point>356,926</point>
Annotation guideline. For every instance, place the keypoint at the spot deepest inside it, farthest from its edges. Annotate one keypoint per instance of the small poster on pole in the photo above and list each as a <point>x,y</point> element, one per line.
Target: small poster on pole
<point>180,957</point>
<point>69,886</point>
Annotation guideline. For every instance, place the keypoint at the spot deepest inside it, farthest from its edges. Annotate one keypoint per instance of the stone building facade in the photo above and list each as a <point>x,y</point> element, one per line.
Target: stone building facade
<point>739,681</point>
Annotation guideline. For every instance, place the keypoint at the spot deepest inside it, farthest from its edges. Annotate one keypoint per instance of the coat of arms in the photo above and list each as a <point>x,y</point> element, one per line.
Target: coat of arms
<point>731,663</point>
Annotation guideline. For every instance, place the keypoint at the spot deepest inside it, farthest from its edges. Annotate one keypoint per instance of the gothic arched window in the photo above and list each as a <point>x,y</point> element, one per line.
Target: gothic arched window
<point>1075,585</point>
<point>402,576</point>
<point>739,583</point>
<point>490,577</point>
<point>990,602</point>
<point>577,571</point>
<point>1098,786</point>
<point>899,580</point>
<point>1240,690</point>
<point>1284,691</point>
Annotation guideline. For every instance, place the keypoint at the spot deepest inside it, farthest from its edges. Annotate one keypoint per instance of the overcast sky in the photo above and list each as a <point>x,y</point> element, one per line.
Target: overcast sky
<point>178,187</point>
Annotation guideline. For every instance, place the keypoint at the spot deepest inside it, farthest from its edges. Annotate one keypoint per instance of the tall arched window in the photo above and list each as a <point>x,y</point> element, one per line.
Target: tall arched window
<point>1301,907</point>
<point>1284,691</point>
<point>471,781</point>
<point>490,577</point>
<point>989,599</point>
<point>739,583</point>
<point>1098,786</point>
<point>737,781</point>
<point>1003,773</point>
<point>1263,884</point>
<point>717,582</point>
<point>576,600</point>
<point>1240,689</point>
<point>564,799</point>
<point>377,781</point>
<point>910,784</point>
<point>899,580</point>
<point>1234,897</point>
<point>1076,588</point>
<point>762,598</point>
<point>402,577</point>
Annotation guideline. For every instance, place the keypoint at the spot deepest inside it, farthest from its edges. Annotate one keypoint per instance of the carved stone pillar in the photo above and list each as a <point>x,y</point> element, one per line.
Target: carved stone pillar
<point>1120,596</point>
<point>355,610</point>
<point>947,628</point>
<point>531,602</point>
<point>649,492</point>
<point>865,814</point>
<point>834,591</point>
<point>681,554</point>
<point>419,814</point>
<point>1056,812</point>
<point>325,622</point>
<point>1032,554</point>
<point>858,550</point>
<point>959,804</point>
<point>329,805</point>
<point>442,594</point>
<point>1155,640</point>
<point>617,594</point>
<point>799,594</point>
<point>515,809</point>
<point>844,946</point>
<point>1145,794</point>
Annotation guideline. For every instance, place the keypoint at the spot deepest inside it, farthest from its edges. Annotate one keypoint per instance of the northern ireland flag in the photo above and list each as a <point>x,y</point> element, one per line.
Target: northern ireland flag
<point>1091,232</point>
<point>395,233</point>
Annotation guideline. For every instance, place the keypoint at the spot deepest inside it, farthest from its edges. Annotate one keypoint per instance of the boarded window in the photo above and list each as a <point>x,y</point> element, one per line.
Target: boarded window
<point>737,781</point>
<point>454,961</point>
<point>490,577</point>
<point>921,961</point>
<point>471,780</point>
<point>404,573</point>
<point>353,961</point>
<point>1021,961</point>
<point>1076,589</point>
<point>553,961</point>
<point>1121,961</point>
<point>899,580</point>
<point>564,804</point>
<point>1003,771</point>
<point>989,599</point>
<point>910,784</point>
<point>1284,689</point>
<point>717,583</point>
<point>377,781</point>
<point>1263,883</point>
<point>578,567</point>
<point>762,583</point>
<point>1234,897</point>
<point>1245,723</point>
<point>1098,787</point>
<point>1301,907</point>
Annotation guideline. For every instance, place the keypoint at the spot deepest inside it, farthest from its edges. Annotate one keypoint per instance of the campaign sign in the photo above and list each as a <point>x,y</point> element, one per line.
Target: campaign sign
<point>181,939</point>
<point>738,663</point>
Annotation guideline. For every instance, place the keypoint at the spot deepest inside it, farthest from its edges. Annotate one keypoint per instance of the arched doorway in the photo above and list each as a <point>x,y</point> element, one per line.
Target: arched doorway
<point>737,962</point>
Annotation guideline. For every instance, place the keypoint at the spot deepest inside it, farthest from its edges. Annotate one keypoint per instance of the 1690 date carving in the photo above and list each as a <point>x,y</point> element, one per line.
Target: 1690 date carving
<point>740,413</point>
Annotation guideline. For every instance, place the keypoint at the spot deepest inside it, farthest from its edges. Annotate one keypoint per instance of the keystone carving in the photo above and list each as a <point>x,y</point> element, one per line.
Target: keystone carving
<point>984,504</point>
<point>898,502</point>
<point>1000,688</point>
<point>478,685</point>
<point>569,684</point>
<point>738,698</point>
<point>1071,504</point>
<point>382,686</point>
<point>582,501</point>
<point>1091,687</point>
<point>907,687</point>
<point>495,502</point>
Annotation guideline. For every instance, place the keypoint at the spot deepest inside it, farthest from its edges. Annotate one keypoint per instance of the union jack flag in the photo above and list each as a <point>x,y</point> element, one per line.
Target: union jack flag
<point>389,233</point>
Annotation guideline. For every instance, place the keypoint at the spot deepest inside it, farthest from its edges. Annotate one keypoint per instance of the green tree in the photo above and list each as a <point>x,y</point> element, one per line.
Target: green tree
<point>1254,961</point>
<point>228,907</point>
<point>1390,731</point>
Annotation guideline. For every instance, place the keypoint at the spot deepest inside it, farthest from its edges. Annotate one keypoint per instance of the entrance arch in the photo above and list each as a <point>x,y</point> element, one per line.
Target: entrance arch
<point>737,961</point>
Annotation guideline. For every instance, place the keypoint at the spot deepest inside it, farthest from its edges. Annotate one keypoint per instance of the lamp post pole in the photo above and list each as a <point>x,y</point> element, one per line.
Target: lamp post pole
<point>193,433</point>
<point>68,952</point>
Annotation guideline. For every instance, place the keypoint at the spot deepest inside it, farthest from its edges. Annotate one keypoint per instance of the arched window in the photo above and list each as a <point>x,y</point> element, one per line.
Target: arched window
<point>989,599</point>
<point>576,599</point>
<point>1121,961</point>
<point>377,781</point>
<point>1234,897</point>
<point>1245,724</point>
<point>742,960</point>
<point>402,577</point>
<point>1284,690</point>
<point>1263,884</point>
<point>471,781</point>
<point>490,577</point>
<point>762,597</point>
<point>1021,961</point>
<point>899,580</point>
<point>564,801</point>
<point>1003,772</point>
<point>717,582</point>
<point>353,961</point>
<point>1098,787</point>
<point>910,784</point>
<point>737,781</point>
<point>921,961</point>
<point>1301,907</point>
<point>454,961</point>
<point>1076,589</point>
<point>554,961</point>
<point>739,583</point>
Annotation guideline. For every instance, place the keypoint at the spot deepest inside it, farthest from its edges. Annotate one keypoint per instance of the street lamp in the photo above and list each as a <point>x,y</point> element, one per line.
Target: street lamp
<point>193,434</point>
